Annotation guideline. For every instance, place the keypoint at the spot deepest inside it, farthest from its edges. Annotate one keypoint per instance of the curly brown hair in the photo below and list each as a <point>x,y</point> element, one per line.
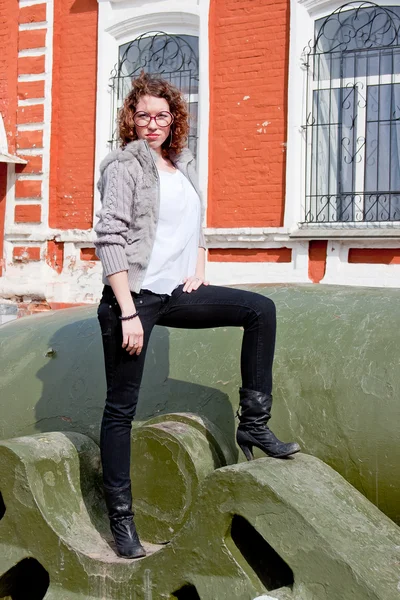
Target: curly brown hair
<point>147,85</point>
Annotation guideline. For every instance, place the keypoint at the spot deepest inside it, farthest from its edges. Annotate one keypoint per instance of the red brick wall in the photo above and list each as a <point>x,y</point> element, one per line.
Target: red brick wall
<point>26,253</point>
<point>8,99</point>
<point>30,139</point>
<point>317,251</point>
<point>277,255</point>
<point>28,189</point>
<point>28,213</point>
<point>88,254</point>
<point>73,114</point>
<point>30,89</point>
<point>248,89</point>
<point>375,256</point>
<point>32,39</point>
<point>55,255</point>
<point>33,14</point>
<point>8,67</point>
<point>3,189</point>
<point>31,64</point>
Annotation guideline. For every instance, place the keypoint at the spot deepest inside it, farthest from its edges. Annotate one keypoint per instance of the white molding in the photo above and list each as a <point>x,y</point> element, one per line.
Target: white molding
<point>355,233</point>
<point>31,127</point>
<point>10,203</point>
<point>25,3</point>
<point>204,102</point>
<point>178,22</point>
<point>76,236</point>
<point>243,237</point>
<point>31,77</point>
<point>3,136</point>
<point>32,52</point>
<point>30,102</point>
<point>124,21</point>
<point>48,102</point>
<point>31,26</point>
<point>325,7</point>
<point>28,201</point>
<point>31,151</point>
<point>318,5</point>
<point>303,14</point>
<point>301,31</point>
<point>246,237</point>
<point>29,176</point>
<point>19,236</point>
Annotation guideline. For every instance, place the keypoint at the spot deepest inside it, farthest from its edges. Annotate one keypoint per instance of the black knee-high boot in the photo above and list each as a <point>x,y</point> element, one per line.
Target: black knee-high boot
<point>255,412</point>
<point>119,506</point>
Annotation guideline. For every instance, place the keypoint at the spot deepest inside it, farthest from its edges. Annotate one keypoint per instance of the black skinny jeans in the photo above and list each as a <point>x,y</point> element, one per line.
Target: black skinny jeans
<point>208,306</point>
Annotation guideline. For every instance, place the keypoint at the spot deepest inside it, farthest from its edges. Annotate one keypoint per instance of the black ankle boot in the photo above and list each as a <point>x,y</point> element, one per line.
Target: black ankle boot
<point>253,430</point>
<point>119,506</point>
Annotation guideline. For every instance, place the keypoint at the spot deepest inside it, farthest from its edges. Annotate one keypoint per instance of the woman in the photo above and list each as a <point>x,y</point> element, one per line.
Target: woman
<point>151,245</point>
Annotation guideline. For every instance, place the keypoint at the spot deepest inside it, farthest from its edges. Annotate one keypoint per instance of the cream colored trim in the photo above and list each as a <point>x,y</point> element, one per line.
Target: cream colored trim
<point>245,237</point>
<point>122,22</point>
<point>379,232</point>
<point>181,22</point>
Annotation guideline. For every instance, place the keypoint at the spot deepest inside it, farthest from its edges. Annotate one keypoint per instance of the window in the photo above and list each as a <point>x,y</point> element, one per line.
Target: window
<point>353,116</point>
<point>172,57</point>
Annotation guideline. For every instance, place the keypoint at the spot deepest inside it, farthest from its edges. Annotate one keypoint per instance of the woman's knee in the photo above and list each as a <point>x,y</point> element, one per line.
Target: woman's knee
<point>263,305</point>
<point>260,312</point>
<point>122,413</point>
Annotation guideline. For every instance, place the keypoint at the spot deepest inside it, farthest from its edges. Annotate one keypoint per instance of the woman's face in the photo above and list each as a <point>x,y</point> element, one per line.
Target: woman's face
<point>155,131</point>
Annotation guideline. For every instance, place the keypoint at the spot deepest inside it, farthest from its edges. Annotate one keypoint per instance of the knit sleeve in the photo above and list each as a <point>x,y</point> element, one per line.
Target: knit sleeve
<point>116,186</point>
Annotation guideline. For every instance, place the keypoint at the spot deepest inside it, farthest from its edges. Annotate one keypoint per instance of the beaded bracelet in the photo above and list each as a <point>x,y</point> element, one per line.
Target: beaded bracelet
<point>129,317</point>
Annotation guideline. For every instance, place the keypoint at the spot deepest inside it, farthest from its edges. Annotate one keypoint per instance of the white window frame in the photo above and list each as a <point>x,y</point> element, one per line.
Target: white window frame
<point>122,21</point>
<point>304,13</point>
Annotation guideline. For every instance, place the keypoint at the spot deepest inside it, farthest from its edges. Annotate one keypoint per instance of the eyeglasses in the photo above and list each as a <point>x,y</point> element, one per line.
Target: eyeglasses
<point>162,119</point>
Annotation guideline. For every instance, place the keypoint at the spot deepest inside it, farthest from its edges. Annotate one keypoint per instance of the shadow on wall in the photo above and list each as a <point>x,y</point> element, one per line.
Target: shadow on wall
<point>82,6</point>
<point>74,387</point>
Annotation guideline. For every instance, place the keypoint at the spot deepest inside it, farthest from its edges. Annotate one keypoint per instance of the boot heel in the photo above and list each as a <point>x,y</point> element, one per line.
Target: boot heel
<point>255,412</point>
<point>247,451</point>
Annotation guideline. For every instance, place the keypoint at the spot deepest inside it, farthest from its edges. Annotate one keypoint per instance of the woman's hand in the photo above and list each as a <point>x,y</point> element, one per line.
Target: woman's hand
<point>132,336</point>
<point>193,283</point>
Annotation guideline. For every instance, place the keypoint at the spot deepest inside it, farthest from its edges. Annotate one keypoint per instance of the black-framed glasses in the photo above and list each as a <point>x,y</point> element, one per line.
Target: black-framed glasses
<point>162,119</point>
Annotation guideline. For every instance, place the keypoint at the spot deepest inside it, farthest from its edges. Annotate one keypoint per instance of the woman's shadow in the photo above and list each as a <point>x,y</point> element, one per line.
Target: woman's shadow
<point>74,388</point>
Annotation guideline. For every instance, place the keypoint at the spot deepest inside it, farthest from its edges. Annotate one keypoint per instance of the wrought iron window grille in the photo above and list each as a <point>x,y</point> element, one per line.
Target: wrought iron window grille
<point>352,127</point>
<point>172,57</point>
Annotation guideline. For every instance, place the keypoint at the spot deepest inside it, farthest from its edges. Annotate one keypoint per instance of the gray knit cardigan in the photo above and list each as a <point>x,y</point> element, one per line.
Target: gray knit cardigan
<point>130,196</point>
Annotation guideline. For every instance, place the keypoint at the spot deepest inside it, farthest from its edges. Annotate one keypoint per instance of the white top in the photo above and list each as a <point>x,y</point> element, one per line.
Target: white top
<point>176,244</point>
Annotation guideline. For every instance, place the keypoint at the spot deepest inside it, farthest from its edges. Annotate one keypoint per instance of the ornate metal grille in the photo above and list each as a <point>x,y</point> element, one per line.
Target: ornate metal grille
<point>173,57</point>
<point>353,116</point>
